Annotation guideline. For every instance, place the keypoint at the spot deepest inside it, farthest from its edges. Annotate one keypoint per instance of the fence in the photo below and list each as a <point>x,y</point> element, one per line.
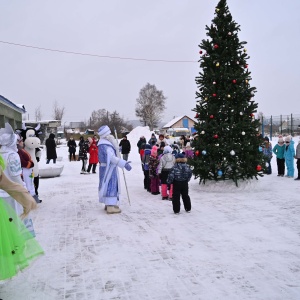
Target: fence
<point>283,124</point>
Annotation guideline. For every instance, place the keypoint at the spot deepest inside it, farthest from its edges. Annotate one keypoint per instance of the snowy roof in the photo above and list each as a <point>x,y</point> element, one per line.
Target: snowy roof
<point>12,105</point>
<point>175,120</point>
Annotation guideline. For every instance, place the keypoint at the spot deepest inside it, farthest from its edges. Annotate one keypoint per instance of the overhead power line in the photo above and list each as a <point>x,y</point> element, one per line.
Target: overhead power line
<point>98,55</point>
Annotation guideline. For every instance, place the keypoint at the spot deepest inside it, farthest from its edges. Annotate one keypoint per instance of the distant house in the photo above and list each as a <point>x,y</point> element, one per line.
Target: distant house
<point>47,127</point>
<point>11,113</point>
<point>180,122</point>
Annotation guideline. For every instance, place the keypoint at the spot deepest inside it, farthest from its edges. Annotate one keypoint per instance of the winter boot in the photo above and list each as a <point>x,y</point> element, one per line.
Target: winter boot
<point>164,192</point>
<point>113,209</point>
<point>171,192</point>
<point>36,198</point>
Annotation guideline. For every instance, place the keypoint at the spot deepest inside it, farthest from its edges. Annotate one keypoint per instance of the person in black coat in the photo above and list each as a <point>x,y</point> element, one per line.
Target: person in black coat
<point>125,147</point>
<point>83,151</point>
<point>72,148</point>
<point>51,148</point>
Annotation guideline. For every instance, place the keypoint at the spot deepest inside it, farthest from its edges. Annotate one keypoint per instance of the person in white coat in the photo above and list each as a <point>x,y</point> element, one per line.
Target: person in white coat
<point>109,182</point>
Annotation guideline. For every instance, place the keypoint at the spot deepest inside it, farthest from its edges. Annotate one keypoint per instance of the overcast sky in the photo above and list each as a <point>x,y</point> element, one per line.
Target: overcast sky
<point>162,30</point>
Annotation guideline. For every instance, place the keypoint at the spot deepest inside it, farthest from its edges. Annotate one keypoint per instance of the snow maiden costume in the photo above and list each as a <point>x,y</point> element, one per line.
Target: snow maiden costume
<point>109,158</point>
<point>17,245</point>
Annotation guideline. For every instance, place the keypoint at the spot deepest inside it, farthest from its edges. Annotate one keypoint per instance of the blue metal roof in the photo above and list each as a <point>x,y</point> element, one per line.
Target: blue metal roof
<point>12,105</point>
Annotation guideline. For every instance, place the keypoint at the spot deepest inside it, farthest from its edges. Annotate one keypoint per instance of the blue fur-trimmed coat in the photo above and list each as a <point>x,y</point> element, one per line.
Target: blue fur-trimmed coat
<point>109,183</point>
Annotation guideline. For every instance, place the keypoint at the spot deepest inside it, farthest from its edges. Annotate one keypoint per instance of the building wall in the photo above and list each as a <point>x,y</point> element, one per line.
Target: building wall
<point>11,116</point>
<point>180,123</point>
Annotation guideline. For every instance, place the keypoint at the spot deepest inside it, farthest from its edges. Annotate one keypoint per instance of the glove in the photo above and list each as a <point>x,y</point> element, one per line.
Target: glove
<point>128,166</point>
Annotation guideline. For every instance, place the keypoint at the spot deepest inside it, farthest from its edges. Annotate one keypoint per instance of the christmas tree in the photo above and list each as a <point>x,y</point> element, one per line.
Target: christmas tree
<point>227,145</point>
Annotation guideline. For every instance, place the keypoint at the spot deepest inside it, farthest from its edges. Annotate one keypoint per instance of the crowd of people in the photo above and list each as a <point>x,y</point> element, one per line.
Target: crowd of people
<point>285,154</point>
<point>164,165</point>
<point>165,168</point>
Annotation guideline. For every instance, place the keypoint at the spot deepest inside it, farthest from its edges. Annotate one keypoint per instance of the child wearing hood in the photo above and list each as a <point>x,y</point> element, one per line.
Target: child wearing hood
<point>267,150</point>
<point>297,156</point>
<point>289,156</point>
<point>166,163</point>
<point>279,150</point>
<point>180,176</point>
<point>154,179</point>
<point>145,166</point>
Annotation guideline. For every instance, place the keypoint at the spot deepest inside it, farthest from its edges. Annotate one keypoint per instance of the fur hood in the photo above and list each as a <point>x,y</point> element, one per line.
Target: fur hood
<point>181,160</point>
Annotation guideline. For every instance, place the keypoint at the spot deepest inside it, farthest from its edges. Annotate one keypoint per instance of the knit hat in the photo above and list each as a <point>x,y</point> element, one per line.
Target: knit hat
<point>280,139</point>
<point>154,151</point>
<point>266,139</point>
<point>288,138</point>
<point>167,149</point>
<point>104,131</point>
<point>180,155</point>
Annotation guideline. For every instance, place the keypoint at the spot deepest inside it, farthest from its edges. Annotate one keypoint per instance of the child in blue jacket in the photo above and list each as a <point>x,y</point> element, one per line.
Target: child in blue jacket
<point>180,176</point>
<point>279,150</point>
<point>289,156</point>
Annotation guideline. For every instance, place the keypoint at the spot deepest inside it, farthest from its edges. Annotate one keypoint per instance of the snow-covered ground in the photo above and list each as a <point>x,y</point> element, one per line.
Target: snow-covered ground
<point>237,243</point>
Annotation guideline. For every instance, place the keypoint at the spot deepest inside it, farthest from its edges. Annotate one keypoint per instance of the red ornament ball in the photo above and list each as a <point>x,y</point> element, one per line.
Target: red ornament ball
<point>216,46</point>
<point>214,95</point>
<point>211,116</point>
<point>197,152</point>
<point>197,115</point>
<point>216,136</point>
<point>246,66</point>
<point>200,51</point>
<point>234,81</point>
<point>258,168</point>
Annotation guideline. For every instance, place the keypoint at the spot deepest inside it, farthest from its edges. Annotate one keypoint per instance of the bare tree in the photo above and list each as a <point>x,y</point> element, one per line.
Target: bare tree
<point>150,105</point>
<point>112,120</point>
<point>58,112</point>
<point>38,113</point>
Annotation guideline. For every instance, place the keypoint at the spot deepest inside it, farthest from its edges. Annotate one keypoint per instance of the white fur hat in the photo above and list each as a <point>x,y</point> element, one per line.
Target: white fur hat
<point>168,149</point>
<point>7,136</point>
<point>288,138</point>
<point>104,131</point>
<point>280,139</point>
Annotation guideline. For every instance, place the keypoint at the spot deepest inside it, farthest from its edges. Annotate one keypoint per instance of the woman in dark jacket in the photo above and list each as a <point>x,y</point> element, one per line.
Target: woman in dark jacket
<point>83,151</point>
<point>125,147</point>
<point>51,148</point>
<point>72,148</point>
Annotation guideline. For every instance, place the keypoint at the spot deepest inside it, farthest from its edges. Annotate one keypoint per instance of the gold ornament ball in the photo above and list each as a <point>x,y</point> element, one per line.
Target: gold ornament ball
<point>217,64</point>
<point>228,96</point>
<point>245,50</point>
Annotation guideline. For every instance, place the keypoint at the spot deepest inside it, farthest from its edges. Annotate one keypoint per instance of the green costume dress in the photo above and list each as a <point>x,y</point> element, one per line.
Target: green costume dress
<point>17,245</point>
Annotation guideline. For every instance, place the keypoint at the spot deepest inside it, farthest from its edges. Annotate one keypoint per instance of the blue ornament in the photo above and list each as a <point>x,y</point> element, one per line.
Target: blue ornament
<point>260,149</point>
<point>220,173</point>
<point>203,152</point>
